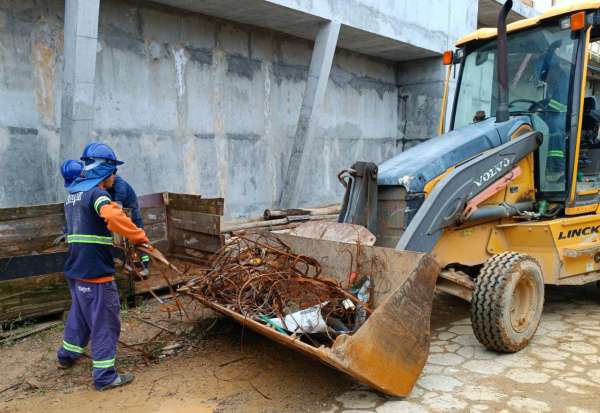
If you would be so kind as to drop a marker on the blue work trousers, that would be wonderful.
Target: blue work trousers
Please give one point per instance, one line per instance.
(93, 316)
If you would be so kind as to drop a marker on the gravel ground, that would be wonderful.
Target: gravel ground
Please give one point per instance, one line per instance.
(558, 372)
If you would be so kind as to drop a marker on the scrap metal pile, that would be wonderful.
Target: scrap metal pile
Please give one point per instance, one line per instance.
(264, 281)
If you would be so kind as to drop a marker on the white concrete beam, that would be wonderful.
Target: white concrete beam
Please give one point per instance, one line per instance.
(489, 9)
(80, 42)
(316, 84)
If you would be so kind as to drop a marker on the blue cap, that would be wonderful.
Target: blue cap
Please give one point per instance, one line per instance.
(71, 170)
(92, 175)
(98, 151)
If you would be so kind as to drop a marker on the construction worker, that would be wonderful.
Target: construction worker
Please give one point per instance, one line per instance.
(551, 72)
(94, 314)
(71, 170)
(124, 194)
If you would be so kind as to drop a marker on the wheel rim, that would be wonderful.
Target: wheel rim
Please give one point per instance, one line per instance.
(523, 305)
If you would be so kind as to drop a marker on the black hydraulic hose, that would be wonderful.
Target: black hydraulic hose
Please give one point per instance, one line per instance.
(500, 211)
(502, 114)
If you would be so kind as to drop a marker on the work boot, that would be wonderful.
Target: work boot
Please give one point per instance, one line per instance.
(121, 380)
(65, 364)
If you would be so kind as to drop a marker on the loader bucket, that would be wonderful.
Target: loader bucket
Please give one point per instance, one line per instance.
(390, 349)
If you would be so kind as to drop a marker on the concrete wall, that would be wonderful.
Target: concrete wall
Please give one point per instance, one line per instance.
(421, 82)
(432, 25)
(191, 103)
(30, 84)
(421, 89)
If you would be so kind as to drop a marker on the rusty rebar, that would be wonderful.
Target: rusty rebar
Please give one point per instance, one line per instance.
(261, 277)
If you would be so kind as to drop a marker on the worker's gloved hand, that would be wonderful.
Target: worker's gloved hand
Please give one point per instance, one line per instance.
(145, 262)
(146, 245)
(145, 258)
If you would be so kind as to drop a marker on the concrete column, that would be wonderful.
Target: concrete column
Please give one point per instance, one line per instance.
(80, 40)
(318, 76)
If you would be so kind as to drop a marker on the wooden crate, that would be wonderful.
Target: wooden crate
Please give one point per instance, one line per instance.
(31, 279)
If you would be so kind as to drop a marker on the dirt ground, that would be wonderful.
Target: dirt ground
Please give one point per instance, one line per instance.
(223, 368)
(226, 369)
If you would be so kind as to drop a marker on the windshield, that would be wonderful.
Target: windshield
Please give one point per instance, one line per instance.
(540, 67)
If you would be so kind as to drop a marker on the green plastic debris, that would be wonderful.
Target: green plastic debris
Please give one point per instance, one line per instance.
(268, 322)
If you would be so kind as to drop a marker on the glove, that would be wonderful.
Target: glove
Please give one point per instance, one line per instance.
(146, 245)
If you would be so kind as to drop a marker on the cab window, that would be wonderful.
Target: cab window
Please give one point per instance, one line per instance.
(588, 174)
(541, 64)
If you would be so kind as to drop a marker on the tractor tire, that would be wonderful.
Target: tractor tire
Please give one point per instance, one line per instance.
(507, 303)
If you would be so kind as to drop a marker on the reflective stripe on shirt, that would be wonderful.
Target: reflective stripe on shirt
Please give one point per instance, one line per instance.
(99, 202)
(556, 105)
(556, 153)
(89, 239)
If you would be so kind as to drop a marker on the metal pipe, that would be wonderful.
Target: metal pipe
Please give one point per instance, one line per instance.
(500, 211)
(502, 113)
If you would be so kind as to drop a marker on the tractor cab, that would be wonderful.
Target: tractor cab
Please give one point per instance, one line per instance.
(554, 80)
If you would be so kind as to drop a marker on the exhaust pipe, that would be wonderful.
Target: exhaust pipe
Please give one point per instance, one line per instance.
(502, 114)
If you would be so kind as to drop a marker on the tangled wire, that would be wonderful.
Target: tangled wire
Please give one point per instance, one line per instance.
(262, 279)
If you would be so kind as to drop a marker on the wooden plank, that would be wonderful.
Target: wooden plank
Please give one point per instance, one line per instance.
(196, 221)
(22, 229)
(272, 213)
(30, 246)
(52, 305)
(157, 282)
(30, 211)
(29, 331)
(196, 240)
(41, 295)
(29, 235)
(198, 257)
(156, 232)
(151, 200)
(195, 203)
(33, 296)
(252, 225)
(153, 215)
(170, 229)
(31, 265)
(161, 245)
(150, 215)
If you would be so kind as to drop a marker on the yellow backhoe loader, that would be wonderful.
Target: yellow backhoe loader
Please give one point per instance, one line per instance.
(505, 201)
